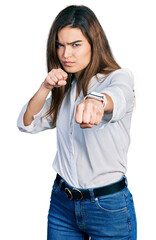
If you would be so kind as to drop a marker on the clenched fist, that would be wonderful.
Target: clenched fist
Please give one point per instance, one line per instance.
(55, 78)
(89, 112)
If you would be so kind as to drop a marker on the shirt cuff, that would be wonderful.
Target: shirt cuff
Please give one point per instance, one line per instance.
(29, 128)
(119, 105)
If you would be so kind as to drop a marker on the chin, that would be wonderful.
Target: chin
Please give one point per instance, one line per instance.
(70, 70)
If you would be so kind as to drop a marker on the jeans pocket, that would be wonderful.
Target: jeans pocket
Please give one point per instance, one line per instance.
(55, 187)
(114, 203)
(113, 211)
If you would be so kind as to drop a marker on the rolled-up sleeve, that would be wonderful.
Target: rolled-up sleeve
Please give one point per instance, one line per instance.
(40, 123)
(121, 91)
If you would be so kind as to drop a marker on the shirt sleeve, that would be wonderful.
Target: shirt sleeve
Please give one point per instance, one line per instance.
(120, 89)
(39, 123)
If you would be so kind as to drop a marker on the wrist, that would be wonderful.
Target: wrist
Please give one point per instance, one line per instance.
(43, 92)
(99, 97)
(44, 88)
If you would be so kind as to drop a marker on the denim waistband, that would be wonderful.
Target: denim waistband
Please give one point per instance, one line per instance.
(90, 193)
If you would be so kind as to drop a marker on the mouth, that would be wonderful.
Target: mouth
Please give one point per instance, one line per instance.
(68, 63)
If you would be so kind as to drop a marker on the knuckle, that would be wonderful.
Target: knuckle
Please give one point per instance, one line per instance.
(89, 104)
(79, 106)
(95, 108)
(48, 79)
(86, 121)
(59, 76)
(53, 71)
(62, 72)
(50, 76)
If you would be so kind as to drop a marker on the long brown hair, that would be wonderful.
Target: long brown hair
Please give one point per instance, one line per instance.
(102, 60)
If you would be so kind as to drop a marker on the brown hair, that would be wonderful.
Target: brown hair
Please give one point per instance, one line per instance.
(102, 60)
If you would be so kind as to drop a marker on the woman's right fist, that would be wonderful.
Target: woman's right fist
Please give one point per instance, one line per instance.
(55, 78)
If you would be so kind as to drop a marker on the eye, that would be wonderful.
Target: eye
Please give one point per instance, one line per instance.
(58, 45)
(76, 45)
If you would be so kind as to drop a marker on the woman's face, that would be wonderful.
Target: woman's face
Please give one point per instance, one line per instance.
(73, 50)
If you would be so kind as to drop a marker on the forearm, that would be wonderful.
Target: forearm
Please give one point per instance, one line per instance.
(55, 78)
(36, 103)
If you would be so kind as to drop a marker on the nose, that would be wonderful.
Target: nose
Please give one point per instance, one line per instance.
(67, 52)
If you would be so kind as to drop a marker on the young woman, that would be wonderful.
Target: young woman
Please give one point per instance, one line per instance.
(91, 106)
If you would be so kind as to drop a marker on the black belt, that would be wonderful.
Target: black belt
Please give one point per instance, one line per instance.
(77, 194)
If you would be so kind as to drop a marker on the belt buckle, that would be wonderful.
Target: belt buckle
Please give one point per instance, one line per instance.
(81, 195)
(68, 193)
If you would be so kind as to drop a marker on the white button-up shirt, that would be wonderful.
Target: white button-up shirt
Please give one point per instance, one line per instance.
(97, 156)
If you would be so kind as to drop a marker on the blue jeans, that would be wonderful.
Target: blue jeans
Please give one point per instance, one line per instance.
(107, 217)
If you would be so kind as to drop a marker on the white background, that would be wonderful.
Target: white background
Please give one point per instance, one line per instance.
(26, 173)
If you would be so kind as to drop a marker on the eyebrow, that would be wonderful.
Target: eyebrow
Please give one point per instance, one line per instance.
(70, 43)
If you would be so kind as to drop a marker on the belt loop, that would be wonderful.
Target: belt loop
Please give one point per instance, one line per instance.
(60, 184)
(126, 182)
(92, 197)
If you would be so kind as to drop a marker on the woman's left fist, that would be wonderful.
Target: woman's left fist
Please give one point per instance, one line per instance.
(89, 113)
